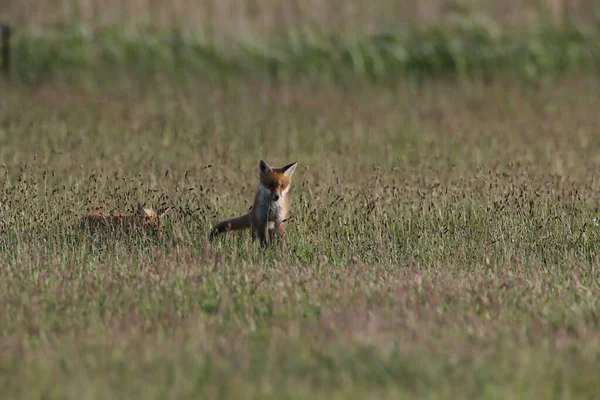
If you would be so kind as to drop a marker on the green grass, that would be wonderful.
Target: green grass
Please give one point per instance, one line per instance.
(443, 243)
(227, 21)
(458, 46)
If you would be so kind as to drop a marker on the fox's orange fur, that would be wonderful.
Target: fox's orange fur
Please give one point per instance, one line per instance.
(271, 205)
(144, 220)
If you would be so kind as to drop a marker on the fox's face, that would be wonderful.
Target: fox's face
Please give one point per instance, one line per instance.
(147, 217)
(275, 181)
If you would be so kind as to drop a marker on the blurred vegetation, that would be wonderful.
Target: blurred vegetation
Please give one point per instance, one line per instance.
(459, 49)
(226, 21)
(460, 45)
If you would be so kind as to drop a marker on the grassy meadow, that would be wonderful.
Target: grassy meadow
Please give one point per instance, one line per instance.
(443, 242)
(444, 232)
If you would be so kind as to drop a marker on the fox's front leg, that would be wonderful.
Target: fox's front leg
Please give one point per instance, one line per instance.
(261, 232)
(276, 233)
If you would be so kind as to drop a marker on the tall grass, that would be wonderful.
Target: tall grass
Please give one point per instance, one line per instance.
(336, 39)
(461, 46)
(229, 20)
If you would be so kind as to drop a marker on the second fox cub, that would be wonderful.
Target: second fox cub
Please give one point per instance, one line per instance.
(144, 220)
(271, 205)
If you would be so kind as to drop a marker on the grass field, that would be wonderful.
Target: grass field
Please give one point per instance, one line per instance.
(225, 20)
(443, 241)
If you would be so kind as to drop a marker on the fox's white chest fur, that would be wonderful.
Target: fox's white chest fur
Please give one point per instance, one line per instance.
(275, 209)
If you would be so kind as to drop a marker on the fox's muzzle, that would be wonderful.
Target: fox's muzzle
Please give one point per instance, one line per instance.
(275, 197)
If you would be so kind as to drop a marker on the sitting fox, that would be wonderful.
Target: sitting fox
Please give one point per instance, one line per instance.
(143, 220)
(271, 205)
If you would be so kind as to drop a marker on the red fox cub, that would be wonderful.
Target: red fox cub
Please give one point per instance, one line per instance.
(271, 205)
(144, 220)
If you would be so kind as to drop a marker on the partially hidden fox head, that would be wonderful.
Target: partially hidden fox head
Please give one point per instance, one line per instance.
(149, 217)
(276, 180)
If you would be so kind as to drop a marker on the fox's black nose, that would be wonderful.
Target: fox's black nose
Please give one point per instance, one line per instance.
(275, 197)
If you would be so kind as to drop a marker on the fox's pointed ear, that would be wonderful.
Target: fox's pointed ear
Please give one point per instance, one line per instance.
(163, 211)
(289, 169)
(140, 209)
(264, 168)
(143, 212)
